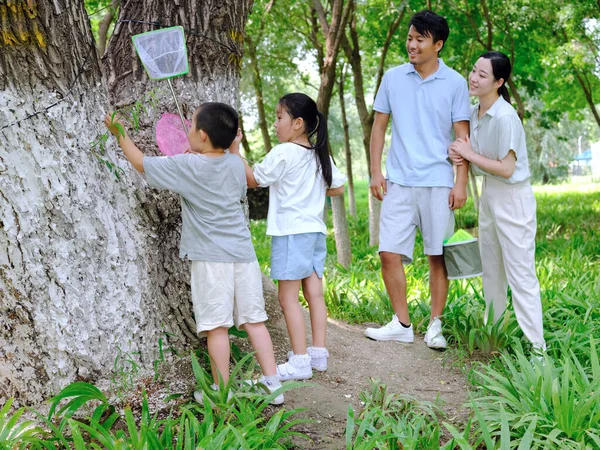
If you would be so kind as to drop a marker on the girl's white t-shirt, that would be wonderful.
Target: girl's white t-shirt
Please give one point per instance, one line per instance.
(296, 189)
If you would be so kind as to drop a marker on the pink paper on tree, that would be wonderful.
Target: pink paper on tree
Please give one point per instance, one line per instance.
(170, 135)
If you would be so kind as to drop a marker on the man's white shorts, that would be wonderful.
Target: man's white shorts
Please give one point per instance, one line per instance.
(226, 294)
(406, 208)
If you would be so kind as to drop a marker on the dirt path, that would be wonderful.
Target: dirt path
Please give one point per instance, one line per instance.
(411, 369)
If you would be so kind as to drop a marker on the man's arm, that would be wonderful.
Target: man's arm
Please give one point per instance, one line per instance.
(378, 184)
(131, 151)
(458, 194)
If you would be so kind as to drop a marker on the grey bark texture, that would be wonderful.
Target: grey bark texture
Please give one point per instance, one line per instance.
(88, 261)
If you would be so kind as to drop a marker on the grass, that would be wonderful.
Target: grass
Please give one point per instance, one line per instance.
(514, 402)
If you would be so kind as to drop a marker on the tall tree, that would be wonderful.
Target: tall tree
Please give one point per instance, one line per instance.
(251, 40)
(352, 50)
(347, 148)
(332, 29)
(88, 255)
(70, 254)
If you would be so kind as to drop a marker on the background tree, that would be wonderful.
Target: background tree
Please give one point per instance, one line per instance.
(347, 148)
(380, 25)
(333, 29)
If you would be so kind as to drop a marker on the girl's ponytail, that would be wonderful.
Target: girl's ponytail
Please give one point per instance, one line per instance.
(301, 105)
(321, 147)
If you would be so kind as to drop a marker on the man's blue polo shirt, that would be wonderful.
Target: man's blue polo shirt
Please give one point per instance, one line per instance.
(423, 112)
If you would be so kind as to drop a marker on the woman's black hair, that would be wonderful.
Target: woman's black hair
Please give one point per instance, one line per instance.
(501, 68)
(301, 105)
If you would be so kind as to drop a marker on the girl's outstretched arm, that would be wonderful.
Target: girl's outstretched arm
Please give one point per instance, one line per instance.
(235, 149)
(131, 151)
(335, 191)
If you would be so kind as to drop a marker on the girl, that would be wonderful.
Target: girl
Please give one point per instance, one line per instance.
(299, 173)
(507, 221)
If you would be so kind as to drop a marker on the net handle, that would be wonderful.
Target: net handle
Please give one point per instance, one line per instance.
(185, 129)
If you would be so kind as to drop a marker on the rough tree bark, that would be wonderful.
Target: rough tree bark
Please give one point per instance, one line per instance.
(71, 261)
(88, 261)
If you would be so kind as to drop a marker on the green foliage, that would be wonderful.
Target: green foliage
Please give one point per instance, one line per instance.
(393, 421)
(13, 432)
(242, 422)
(132, 114)
(559, 399)
(125, 371)
(516, 403)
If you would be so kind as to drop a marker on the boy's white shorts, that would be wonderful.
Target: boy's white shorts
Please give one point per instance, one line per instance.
(226, 294)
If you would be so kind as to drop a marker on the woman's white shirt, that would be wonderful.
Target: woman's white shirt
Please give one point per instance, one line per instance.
(296, 189)
(497, 132)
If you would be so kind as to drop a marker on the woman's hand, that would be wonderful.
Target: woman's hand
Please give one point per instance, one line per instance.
(460, 149)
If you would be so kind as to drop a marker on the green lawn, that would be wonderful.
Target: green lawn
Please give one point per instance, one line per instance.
(515, 403)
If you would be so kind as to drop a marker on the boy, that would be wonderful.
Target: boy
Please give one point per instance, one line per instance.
(427, 101)
(225, 277)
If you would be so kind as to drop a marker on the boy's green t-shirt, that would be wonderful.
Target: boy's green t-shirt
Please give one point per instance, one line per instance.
(211, 189)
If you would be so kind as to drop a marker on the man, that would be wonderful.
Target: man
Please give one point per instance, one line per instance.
(427, 100)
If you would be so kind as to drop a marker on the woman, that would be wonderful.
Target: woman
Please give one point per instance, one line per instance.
(507, 222)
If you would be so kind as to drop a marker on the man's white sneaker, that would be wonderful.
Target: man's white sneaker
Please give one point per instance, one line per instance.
(434, 337)
(393, 331)
(297, 368)
(318, 358)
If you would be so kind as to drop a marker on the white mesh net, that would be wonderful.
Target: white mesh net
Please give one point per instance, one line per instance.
(162, 52)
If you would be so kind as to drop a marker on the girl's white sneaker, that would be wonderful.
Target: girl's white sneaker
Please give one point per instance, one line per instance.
(297, 368)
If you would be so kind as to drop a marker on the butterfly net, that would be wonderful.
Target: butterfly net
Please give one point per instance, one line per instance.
(163, 52)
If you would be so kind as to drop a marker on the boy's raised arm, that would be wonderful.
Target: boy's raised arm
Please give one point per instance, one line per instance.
(235, 149)
(131, 151)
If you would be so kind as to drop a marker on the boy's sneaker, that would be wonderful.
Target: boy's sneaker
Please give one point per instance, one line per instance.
(271, 386)
(199, 397)
(393, 331)
(318, 358)
(434, 337)
(297, 368)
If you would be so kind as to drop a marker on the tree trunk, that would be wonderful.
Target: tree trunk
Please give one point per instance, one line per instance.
(88, 256)
(474, 190)
(347, 149)
(258, 91)
(374, 213)
(333, 32)
(367, 117)
(72, 263)
(340, 229)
